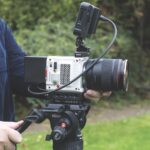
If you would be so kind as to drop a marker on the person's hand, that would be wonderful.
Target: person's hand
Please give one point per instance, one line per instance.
(95, 96)
(8, 135)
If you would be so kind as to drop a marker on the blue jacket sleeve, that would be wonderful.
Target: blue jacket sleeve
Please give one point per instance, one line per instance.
(15, 63)
(15, 54)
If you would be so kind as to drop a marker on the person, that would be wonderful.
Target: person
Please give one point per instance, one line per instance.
(12, 81)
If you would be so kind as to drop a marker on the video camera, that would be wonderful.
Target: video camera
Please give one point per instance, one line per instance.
(62, 80)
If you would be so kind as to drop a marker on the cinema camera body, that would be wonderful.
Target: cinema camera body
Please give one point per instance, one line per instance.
(62, 80)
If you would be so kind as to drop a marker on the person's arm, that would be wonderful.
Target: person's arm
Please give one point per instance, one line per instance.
(9, 136)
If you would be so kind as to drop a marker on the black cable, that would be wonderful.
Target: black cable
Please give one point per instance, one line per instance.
(81, 74)
(39, 88)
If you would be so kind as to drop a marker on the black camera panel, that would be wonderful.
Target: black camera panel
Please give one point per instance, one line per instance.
(35, 69)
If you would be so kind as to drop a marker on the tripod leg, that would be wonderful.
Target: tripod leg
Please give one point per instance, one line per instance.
(69, 145)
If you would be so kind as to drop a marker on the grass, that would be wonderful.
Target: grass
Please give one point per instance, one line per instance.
(128, 134)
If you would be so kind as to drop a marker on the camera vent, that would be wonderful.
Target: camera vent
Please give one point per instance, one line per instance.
(64, 73)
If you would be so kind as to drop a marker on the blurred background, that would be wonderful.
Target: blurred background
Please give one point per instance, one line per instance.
(45, 28)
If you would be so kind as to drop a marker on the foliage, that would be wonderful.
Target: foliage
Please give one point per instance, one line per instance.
(25, 14)
(132, 133)
(48, 38)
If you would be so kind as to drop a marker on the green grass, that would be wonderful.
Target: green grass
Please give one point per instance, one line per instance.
(128, 134)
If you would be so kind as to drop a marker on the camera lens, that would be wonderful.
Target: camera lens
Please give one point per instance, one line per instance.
(107, 75)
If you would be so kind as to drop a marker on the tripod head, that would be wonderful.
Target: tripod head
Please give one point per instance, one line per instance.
(66, 124)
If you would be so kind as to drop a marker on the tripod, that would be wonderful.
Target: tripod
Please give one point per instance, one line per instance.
(66, 123)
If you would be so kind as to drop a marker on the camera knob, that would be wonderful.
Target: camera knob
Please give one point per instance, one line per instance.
(59, 133)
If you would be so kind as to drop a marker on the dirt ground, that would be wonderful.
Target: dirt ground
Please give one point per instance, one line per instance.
(103, 114)
(97, 114)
